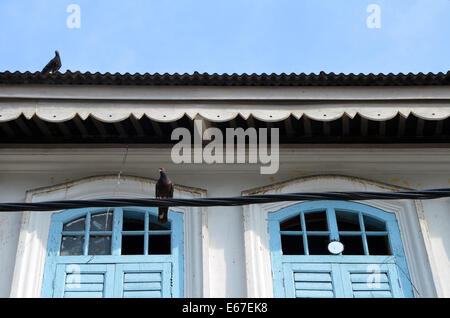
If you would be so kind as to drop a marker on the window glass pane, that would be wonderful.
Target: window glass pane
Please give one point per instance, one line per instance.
(347, 221)
(76, 225)
(378, 245)
(353, 245)
(159, 227)
(318, 244)
(292, 245)
(133, 221)
(101, 221)
(316, 221)
(154, 224)
(292, 224)
(132, 245)
(72, 245)
(99, 245)
(159, 244)
(373, 224)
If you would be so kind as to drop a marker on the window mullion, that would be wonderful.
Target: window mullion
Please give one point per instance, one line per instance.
(332, 224)
(86, 233)
(305, 236)
(288, 233)
(133, 233)
(73, 233)
(116, 246)
(363, 231)
(146, 227)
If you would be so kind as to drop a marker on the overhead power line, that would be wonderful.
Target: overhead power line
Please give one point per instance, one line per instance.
(226, 201)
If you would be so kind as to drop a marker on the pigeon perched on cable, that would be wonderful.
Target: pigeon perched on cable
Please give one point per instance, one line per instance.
(163, 189)
(54, 65)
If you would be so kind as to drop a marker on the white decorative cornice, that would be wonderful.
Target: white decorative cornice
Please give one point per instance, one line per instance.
(168, 104)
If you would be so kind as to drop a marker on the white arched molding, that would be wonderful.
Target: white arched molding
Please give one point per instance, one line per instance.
(409, 215)
(34, 230)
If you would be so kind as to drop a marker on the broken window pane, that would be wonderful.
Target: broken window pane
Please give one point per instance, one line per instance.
(132, 245)
(72, 245)
(316, 221)
(292, 224)
(353, 244)
(318, 244)
(159, 227)
(378, 245)
(292, 245)
(159, 244)
(373, 224)
(133, 221)
(347, 221)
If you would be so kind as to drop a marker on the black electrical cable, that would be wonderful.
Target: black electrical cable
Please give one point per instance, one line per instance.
(230, 201)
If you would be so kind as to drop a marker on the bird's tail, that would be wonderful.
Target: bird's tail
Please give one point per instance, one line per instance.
(45, 70)
(162, 215)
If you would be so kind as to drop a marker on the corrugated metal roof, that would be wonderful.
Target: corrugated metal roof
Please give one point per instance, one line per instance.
(205, 79)
(41, 119)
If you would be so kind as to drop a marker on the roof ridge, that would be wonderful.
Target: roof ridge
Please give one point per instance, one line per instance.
(244, 79)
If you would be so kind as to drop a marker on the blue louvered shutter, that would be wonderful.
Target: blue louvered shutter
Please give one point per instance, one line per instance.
(143, 280)
(84, 280)
(371, 281)
(341, 280)
(311, 280)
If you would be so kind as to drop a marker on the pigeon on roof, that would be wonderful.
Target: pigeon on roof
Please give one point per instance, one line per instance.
(54, 65)
(163, 189)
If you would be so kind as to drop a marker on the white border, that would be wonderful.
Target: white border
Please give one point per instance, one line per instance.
(409, 214)
(34, 230)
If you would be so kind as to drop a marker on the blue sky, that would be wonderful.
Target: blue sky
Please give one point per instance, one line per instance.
(227, 36)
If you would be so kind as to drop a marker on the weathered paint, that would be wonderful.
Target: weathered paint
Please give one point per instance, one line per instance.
(319, 103)
(170, 266)
(284, 265)
(27, 170)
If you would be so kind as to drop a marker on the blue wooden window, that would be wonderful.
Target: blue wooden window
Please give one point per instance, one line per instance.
(372, 263)
(114, 252)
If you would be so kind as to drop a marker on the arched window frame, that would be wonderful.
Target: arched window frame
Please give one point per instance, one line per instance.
(397, 256)
(34, 231)
(175, 258)
(409, 215)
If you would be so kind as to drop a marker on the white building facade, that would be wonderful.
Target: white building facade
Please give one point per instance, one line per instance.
(87, 136)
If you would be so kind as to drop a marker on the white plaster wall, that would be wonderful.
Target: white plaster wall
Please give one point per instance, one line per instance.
(438, 219)
(11, 191)
(21, 171)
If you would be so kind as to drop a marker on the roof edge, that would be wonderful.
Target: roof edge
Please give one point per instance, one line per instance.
(206, 79)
